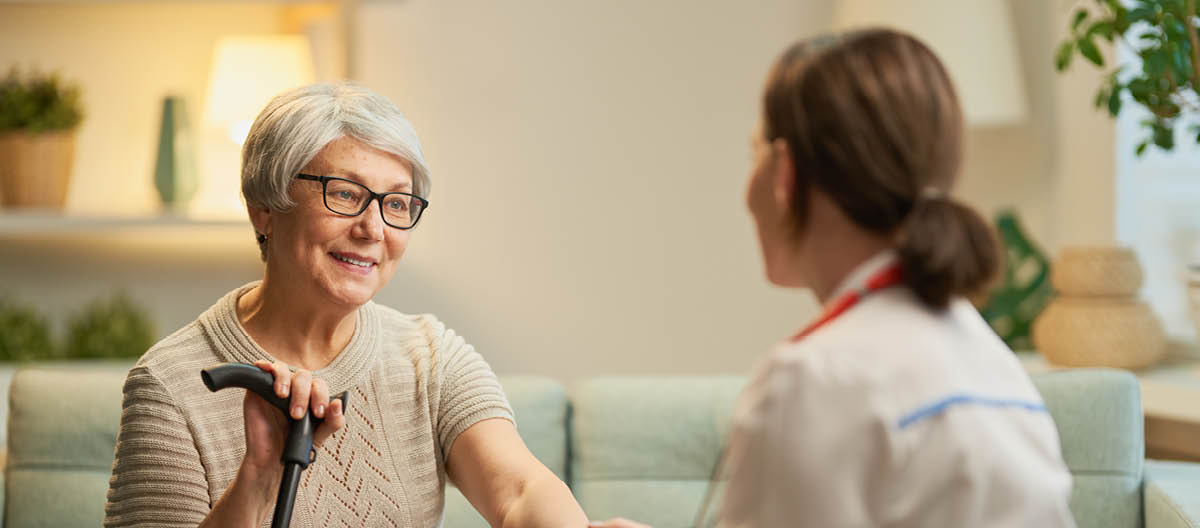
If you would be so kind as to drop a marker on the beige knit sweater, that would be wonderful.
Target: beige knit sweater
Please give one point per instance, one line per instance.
(414, 385)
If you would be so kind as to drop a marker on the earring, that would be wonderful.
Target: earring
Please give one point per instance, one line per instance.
(261, 238)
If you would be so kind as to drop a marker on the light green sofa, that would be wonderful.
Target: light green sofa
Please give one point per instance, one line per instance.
(636, 447)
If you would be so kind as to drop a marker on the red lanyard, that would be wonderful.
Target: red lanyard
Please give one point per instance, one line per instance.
(884, 278)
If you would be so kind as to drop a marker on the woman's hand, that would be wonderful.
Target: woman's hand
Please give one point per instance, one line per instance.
(250, 498)
(266, 428)
(617, 522)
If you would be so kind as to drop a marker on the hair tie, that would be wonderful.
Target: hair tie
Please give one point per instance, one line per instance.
(931, 193)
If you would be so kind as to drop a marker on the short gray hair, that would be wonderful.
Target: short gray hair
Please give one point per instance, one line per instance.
(298, 123)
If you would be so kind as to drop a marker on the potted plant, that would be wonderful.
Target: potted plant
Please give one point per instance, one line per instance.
(24, 333)
(38, 118)
(111, 328)
(1162, 33)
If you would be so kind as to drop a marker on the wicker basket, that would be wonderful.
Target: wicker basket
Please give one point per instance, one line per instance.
(1096, 272)
(1092, 332)
(36, 168)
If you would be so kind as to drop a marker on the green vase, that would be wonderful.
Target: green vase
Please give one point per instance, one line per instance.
(175, 167)
(1026, 288)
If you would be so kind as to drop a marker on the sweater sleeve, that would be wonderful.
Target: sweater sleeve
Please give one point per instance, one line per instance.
(157, 477)
(468, 389)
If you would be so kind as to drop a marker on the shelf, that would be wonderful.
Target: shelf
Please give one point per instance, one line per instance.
(124, 236)
(54, 225)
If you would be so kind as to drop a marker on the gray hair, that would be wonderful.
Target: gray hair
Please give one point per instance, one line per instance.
(298, 123)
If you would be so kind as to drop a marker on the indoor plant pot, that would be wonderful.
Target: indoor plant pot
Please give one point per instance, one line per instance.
(38, 118)
(35, 168)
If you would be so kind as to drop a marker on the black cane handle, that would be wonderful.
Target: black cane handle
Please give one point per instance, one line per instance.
(299, 445)
(298, 449)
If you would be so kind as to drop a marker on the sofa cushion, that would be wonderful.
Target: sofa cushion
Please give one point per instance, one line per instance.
(1099, 417)
(62, 426)
(645, 448)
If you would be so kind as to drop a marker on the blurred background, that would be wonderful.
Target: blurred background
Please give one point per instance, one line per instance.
(588, 158)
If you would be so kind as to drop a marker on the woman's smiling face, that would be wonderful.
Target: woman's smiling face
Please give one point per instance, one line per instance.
(344, 260)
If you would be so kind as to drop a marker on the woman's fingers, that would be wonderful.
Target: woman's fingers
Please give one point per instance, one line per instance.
(617, 522)
(334, 420)
(301, 388)
(283, 376)
(319, 398)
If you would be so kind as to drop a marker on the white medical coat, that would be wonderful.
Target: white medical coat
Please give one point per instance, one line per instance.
(894, 415)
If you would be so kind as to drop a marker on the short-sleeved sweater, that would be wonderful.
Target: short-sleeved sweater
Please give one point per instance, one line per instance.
(413, 386)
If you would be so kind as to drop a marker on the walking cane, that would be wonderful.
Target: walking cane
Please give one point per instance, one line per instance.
(298, 450)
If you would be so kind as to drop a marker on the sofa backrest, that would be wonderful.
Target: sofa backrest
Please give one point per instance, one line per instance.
(642, 448)
(62, 427)
(1099, 417)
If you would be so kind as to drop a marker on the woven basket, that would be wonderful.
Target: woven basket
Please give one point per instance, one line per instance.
(1091, 332)
(1096, 272)
(36, 168)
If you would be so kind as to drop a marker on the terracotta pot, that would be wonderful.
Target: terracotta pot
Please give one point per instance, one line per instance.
(1096, 272)
(1099, 332)
(36, 168)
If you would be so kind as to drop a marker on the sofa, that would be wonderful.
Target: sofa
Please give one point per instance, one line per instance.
(641, 448)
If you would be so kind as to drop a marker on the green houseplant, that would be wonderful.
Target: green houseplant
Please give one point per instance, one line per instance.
(1162, 33)
(24, 333)
(116, 327)
(38, 117)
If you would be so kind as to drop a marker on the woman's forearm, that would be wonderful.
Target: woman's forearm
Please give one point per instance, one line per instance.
(247, 502)
(544, 501)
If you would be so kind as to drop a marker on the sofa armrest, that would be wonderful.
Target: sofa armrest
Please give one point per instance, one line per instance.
(1172, 494)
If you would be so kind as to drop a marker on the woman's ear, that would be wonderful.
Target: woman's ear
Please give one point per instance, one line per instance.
(260, 218)
(783, 177)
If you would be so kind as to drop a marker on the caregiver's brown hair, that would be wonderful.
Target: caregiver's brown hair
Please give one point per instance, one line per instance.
(873, 121)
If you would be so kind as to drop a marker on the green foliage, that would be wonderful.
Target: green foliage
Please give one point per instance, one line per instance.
(39, 103)
(110, 328)
(1163, 33)
(24, 334)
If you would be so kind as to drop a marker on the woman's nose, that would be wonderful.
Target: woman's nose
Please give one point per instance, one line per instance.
(370, 224)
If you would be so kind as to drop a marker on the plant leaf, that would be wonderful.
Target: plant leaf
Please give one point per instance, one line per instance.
(1104, 28)
(1089, 50)
(1114, 102)
(1066, 52)
(1164, 136)
(1080, 16)
(1143, 13)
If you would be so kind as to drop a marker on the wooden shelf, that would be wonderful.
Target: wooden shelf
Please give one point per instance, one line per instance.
(53, 225)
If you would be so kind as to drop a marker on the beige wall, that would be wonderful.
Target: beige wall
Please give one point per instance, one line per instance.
(588, 164)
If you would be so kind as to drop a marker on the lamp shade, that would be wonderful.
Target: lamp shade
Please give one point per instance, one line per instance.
(247, 71)
(974, 39)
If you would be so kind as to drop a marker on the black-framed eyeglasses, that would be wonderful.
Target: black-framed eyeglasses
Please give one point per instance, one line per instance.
(400, 210)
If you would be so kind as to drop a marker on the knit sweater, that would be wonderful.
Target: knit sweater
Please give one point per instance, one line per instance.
(413, 386)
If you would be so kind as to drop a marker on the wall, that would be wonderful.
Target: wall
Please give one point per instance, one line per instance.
(588, 158)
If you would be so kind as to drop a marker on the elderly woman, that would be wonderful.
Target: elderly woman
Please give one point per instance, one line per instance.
(334, 181)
